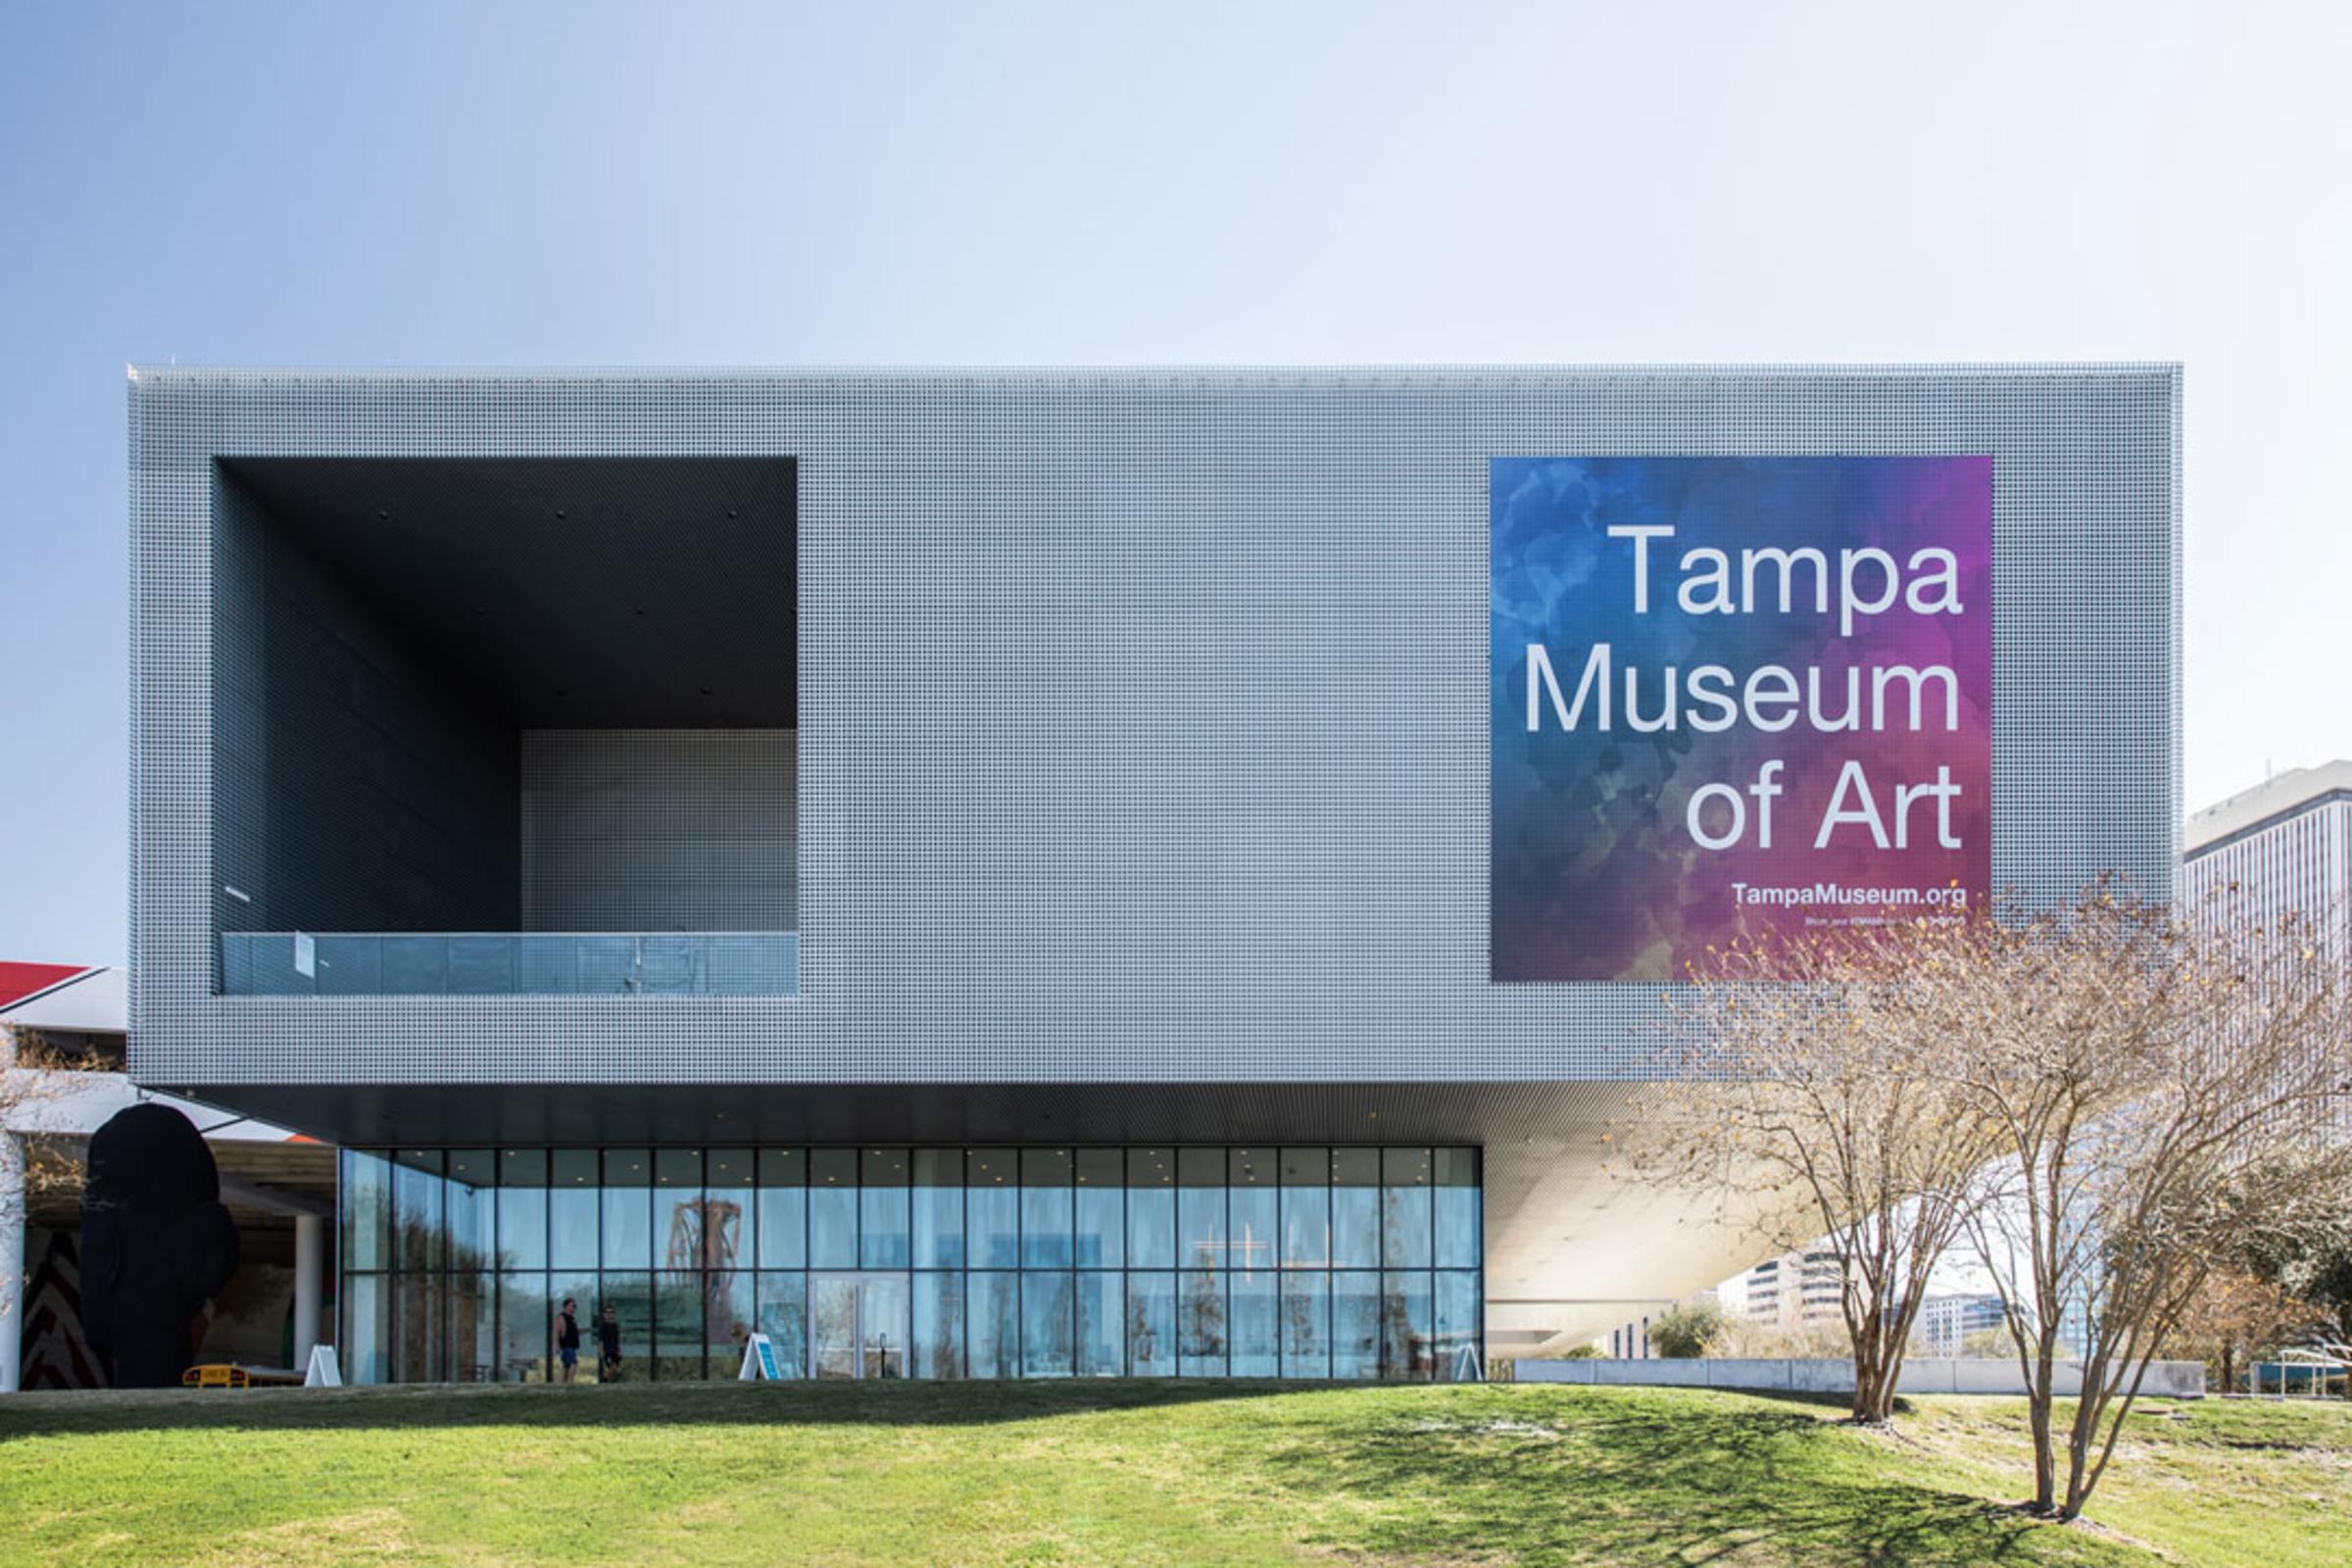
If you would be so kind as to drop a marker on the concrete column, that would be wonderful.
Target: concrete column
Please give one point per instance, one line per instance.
(309, 1267)
(12, 1261)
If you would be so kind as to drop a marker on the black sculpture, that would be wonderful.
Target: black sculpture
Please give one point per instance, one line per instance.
(156, 1244)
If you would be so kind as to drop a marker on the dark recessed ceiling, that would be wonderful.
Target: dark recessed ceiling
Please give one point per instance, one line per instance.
(593, 592)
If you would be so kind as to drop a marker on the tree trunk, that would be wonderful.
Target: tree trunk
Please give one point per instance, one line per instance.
(1866, 1383)
(2078, 1464)
(1881, 1409)
(2046, 1462)
(1879, 1339)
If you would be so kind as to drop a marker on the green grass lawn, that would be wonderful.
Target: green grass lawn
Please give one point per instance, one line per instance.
(651, 1475)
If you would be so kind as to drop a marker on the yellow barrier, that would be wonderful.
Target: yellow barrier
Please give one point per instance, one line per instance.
(216, 1375)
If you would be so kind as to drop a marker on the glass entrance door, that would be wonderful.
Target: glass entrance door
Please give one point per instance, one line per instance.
(857, 1325)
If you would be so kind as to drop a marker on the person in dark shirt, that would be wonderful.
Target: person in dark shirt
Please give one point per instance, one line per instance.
(607, 1340)
(567, 1338)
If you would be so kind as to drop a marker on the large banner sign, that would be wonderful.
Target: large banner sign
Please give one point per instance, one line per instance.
(1733, 696)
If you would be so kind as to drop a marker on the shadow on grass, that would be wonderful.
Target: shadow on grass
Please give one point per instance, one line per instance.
(1836, 1404)
(725, 1403)
(1594, 1478)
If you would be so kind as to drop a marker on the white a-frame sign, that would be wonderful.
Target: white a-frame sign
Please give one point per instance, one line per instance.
(758, 1360)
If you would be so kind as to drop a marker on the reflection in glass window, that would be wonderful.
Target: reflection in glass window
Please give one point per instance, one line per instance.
(366, 1211)
(523, 1318)
(938, 1317)
(1255, 1332)
(1355, 1325)
(1460, 1233)
(1409, 1340)
(832, 1209)
(1201, 1208)
(628, 1208)
(472, 1326)
(1045, 1208)
(1458, 1325)
(783, 1316)
(938, 1217)
(367, 1328)
(1100, 1325)
(677, 1349)
(1152, 1325)
(1305, 1325)
(1305, 1207)
(882, 1326)
(1101, 1205)
(1150, 1208)
(522, 1208)
(729, 1312)
(783, 1217)
(991, 1208)
(571, 1206)
(416, 1208)
(992, 1324)
(1048, 1325)
(1243, 1237)
(416, 1344)
(1251, 1210)
(882, 1208)
(1406, 1208)
(1200, 1323)
(472, 1203)
(833, 1349)
(730, 1189)
(630, 1296)
(1355, 1207)
(678, 1207)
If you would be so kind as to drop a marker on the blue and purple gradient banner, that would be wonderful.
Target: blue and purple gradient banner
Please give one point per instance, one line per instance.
(1733, 696)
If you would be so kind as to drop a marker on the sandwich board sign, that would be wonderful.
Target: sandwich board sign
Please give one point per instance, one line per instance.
(323, 1371)
(758, 1360)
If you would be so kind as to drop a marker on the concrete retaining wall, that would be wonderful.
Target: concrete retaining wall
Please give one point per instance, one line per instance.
(2178, 1379)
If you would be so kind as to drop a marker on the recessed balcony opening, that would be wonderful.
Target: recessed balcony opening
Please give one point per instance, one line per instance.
(506, 726)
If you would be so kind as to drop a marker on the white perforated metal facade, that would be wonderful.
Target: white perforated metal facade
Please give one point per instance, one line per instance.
(1143, 714)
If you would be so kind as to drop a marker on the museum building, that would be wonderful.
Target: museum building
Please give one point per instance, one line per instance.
(986, 874)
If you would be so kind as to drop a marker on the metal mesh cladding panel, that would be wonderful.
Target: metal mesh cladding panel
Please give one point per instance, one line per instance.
(1143, 716)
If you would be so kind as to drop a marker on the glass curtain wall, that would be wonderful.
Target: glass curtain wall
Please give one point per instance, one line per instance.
(1177, 1261)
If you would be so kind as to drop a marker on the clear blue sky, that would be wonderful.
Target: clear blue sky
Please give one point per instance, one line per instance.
(693, 184)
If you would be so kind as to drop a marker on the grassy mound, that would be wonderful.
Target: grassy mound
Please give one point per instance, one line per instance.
(652, 1476)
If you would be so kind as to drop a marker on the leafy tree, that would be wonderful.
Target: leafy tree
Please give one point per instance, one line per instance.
(1687, 1329)
(1985, 1344)
(2237, 1316)
(2315, 1268)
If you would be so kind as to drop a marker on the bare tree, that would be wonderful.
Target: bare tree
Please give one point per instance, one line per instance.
(2160, 1092)
(1824, 1081)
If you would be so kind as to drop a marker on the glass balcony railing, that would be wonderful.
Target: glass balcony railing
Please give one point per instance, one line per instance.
(508, 964)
